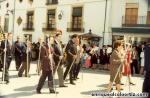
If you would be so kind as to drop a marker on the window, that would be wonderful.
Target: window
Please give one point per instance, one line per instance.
(6, 25)
(51, 19)
(77, 19)
(52, 1)
(7, 5)
(30, 20)
(20, 1)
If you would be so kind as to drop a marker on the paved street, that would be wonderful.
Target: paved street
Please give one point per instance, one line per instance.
(90, 81)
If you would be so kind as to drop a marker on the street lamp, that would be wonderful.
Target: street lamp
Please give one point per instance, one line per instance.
(60, 15)
(105, 20)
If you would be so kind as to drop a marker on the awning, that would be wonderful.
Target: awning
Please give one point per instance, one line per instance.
(132, 30)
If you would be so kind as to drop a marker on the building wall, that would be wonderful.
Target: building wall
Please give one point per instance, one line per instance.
(93, 16)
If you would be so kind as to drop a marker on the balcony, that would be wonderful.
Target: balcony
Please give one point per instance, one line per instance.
(70, 28)
(48, 28)
(135, 21)
(51, 2)
(28, 27)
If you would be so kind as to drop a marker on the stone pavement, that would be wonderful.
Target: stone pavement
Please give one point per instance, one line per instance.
(90, 81)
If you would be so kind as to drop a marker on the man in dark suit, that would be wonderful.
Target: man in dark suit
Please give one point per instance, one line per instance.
(26, 52)
(1, 52)
(9, 52)
(47, 65)
(38, 50)
(146, 83)
(71, 51)
(18, 52)
(58, 55)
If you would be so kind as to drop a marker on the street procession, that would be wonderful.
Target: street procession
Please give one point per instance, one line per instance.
(60, 44)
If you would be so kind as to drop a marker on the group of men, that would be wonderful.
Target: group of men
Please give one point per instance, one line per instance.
(51, 59)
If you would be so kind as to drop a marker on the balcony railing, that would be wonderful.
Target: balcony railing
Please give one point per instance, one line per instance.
(50, 2)
(49, 28)
(135, 21)
(28, 27)
(70, 28)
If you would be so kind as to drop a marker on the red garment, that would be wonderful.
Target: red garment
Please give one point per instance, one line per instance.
(127, 69)
(87, 62)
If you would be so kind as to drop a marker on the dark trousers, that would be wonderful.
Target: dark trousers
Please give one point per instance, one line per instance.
(1, 62)
(18, 61)
(146, 83)
(70, 73)
(23, 68)
(76, 70)
(7, 65)
(134, 66)
(42, 79)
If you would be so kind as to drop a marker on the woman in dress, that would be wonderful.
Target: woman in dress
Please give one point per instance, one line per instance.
(127, 68)
(142, 60)
(116, 61)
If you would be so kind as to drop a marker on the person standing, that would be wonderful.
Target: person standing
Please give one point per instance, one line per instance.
(142, 60)
(25, 64)
(47, 65)
(127, 68)
(146, 83)
(9, 52)
(71, 51)
(18, 52)
(134, 64)
(78, 60)
(58, 56)
(116, 61)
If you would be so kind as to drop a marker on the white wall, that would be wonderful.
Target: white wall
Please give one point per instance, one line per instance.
(93, 16)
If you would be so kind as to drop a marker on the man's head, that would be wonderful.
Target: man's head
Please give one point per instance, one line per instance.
(74, 38)
(58, 37)
(18, 38)
(9, 36)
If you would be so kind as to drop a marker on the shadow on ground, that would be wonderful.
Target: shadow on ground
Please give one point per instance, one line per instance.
(16, 95)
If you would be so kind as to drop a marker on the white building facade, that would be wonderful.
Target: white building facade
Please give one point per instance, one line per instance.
(41, 17)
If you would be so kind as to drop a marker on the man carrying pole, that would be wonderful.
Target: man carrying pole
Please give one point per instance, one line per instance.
(6, 45)
(47, 65)
(25, 59)
(58, 56)
(71, 51)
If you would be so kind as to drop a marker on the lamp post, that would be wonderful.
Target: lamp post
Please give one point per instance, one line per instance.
(13, 21)
(105, 21)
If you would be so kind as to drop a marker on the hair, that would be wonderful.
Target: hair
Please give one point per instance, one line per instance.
(74, 36)
(9, 34)
(117, 44)
(58, 34)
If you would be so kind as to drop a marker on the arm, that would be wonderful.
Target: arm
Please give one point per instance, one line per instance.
(116, 58)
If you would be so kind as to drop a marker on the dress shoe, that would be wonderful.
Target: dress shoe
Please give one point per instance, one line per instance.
(19, 75)
(63, 86)
(7, 81)
(52, 91)
(38, 91)
(132, 83)
(72, 83)
(120, 89)
(121, 84)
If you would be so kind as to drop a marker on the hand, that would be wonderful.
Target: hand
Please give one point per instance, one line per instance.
(5, 50)
(74, 56)
(60, 57)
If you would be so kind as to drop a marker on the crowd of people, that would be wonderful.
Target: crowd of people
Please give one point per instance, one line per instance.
(51, 56)
(97, 57)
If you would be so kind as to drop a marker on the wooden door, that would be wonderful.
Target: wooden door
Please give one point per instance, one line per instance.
(131, 16)
(148, 17)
